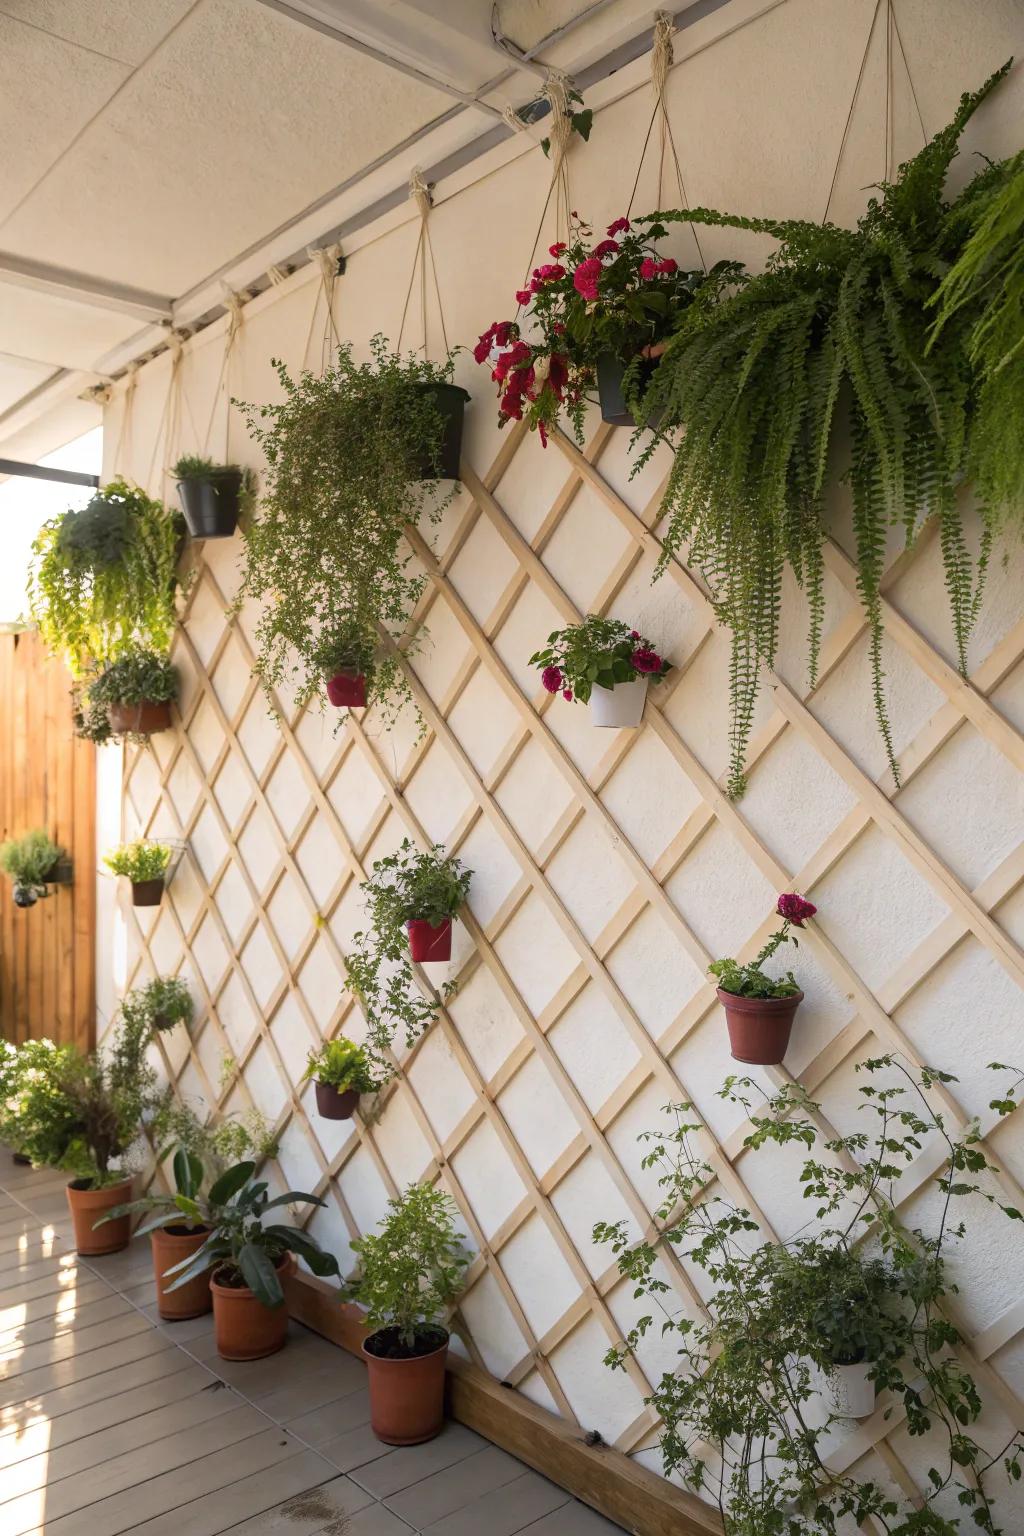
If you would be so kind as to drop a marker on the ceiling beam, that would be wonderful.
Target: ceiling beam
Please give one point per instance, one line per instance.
(40, 472)
(21, 272)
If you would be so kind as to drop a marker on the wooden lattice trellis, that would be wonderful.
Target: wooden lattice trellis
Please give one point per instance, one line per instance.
(248, 791)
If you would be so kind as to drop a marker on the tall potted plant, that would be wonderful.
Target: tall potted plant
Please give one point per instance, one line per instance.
(176, 1235)
(144, 863)
(410, 1271)
(31, 863)
(341, 1073)
(759, 1008)
(210, 495)
(602, 662)
(136, 691)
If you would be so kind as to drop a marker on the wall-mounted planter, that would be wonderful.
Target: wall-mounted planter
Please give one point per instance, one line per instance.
(610, 374)
(347, 690)
(335, 1103)
(851, 1390)
(243, 1327)
(172, 1245)
(759, 1027)
(147, 893)
(429, 941)
(88, 1205)
(406, 1394)
(621, 707)
(450, 401)
(142, 719)
(62, 873)
(211, 506)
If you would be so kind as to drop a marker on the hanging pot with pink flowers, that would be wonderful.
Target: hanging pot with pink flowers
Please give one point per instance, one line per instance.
(603, 663)
(759, 1009)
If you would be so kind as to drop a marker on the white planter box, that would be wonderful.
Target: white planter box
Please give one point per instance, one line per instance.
(620, 706)
(851, 1391)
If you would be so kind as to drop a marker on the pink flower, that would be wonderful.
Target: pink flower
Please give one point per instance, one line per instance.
(668, 266)
(558, 373)
(605, 248)
(794, 909)
(619, 227)
(542, 433)
(646, 660)
(648, 269)
(549, 273)
(551, 677)
(497, 334)
(586, 277)
(558, 248)
(567, 695)
(634, 634)
(523, 295)
(510, 361)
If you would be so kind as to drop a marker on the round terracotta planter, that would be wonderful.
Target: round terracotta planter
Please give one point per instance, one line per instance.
(170, 1245)
(347, 690)
(143, 719)
(244, 1328)
(406, 1396)
(334, 1103)
(147, 893)
(430, 941)
(87, 1206)
(759, 1027)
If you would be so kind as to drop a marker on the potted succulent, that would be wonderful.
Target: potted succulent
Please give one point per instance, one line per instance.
(602, 662)
(411, 898)
(210, 496)
(759, 1008)
(145, 864)
(348, 664)
(341, 1072)
(247, 1260)
(176, 1234)
(410, 1271)
(137, 691)
(33, 862)
(163, 1003)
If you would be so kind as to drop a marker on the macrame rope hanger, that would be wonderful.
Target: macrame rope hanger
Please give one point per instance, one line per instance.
(556, 94)
(327, 258)
(235, 306)
(662, 60)
(167, 430)
(421, 195)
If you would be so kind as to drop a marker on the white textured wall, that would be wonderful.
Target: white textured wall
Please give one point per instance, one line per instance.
(608, 868)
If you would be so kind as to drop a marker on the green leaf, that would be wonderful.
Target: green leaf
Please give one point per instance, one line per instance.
(230, 1182)
(260, 1275)
(188, 1172)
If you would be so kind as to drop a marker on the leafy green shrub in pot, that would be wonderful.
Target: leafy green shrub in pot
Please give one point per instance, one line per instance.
(759, 1008)
(175, 1236)
(348, 661)
(242, 1136)
(410, 1271)
(162, 1003)
(326, 554)
(741, 1419)
(104, 579)
(605, 662)
(30, 862)
(341, 1072)
(144, 863)
(137, 691)
(210, 496)
(411, 900)
(36, 1117)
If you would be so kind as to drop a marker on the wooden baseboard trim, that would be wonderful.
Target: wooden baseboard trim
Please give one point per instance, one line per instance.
(638, 1500)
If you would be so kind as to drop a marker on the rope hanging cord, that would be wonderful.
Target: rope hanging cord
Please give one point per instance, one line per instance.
(662, 60)
(556, 94)
(420, 194)
(326, 257)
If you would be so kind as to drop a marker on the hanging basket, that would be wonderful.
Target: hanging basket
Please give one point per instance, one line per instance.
(449, 400)
(347, 690)
(211, 506)
(335, 1103)
(142, 719)
(147, 893)
(621, 706)
(429, 941)
(759, 1027)
(610, 373)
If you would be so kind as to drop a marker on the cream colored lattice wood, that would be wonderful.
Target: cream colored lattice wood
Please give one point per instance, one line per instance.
(521, 1096)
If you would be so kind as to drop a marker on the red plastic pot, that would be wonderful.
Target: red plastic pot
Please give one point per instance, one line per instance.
(143, 719)
(430, 941)
(335, 1104)
(759, 1027)
(406, 1395)
(347, 690)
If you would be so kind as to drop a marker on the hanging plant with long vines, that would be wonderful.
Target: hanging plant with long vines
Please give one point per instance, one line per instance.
(749, 387)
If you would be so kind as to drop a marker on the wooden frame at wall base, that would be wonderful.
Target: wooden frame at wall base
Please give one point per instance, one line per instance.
(638, 1500)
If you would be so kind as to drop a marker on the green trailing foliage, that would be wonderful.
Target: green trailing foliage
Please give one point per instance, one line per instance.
(138, 677)
(160, 1004)
(410, 1271)
(749, 389)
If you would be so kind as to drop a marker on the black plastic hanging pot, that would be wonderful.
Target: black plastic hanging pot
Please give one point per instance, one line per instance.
(211, 506)
(610, 374)
(449, 400)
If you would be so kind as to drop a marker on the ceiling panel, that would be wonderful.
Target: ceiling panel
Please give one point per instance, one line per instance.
(17, 377)
(126, 30)
(56, 331)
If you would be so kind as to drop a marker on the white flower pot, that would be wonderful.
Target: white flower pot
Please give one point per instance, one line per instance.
(851, 1390)
(622, 705)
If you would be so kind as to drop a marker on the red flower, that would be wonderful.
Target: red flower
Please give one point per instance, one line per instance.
(646, 660)
(668, 266)
(634, 634)
(549, 273)
(542, 433)
(510, 361)
(619, 227)
(523, 295)
(567, 695)
(558, 373)
(794, 909)
(586, 277)
(497, 334)
(558, 248)
(605, 248)
(648, 269)
(551, 677)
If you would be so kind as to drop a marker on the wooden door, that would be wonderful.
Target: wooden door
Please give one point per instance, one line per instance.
(47, 779)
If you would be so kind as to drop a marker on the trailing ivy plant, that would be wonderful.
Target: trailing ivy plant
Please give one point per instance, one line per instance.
(749, 387)
(737, 1422)
(103, 580)
(326, 555)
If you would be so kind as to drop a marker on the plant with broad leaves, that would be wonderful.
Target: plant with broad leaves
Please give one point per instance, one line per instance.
(410, 1271)
(596, 653)
(140, 860)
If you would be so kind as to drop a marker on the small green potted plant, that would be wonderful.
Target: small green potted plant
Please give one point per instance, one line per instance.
(341, 1072)
(163, 1003)
(605, 663)
(759, 1008)
(348, 662)
(246, 1257)
(33, 862)
(175, 1236)
(410, 1271)
(145, 863)
(210, 496)
(137, 691)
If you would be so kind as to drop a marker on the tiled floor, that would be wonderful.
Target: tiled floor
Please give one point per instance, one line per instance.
(111, 1421)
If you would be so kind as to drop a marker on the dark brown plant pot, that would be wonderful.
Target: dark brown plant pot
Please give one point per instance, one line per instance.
(143, 719)
(406, 1395)
(449, 400)
(347, 690)
(21, 1160)
(87, 1206)
(430, 941)
(759, 1027)
(61, 873)
(147, 893)
(211, 506)
(335, 1104)
(170, 1246)
(243, 1327)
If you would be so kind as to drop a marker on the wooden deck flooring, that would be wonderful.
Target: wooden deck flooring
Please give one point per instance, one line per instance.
(112, 1422)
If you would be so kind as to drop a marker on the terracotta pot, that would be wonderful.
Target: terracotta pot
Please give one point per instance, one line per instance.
(335, 1104)
(347, 690)
(406, 1396)
(430, 941)
(87, 1206)
(211, 506)
(759, 1027)
(143, 719)
(170, 1245)
(449, 400)
(147, 893)
(244, 1328)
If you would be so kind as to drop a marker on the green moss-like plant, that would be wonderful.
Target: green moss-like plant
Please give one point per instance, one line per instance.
(140, 860)
(30, 860)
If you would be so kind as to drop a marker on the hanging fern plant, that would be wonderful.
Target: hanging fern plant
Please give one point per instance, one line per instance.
(104, 579)
(749, 387)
